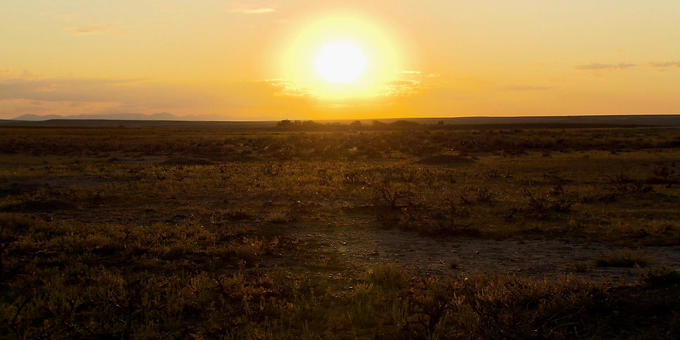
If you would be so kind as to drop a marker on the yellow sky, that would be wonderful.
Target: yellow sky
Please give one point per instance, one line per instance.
(248, 60)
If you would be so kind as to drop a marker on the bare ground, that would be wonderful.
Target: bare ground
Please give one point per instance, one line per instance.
(362, 244)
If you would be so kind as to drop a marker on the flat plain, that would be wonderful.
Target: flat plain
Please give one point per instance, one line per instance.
(304, 230)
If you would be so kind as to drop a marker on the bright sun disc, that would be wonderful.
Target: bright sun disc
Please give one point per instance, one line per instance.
(340, 62)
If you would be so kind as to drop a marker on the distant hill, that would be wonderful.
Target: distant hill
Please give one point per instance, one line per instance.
(109, 116)
(134, 123)
(169, 120)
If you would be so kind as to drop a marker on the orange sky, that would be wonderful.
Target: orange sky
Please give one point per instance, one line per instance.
(250, 60)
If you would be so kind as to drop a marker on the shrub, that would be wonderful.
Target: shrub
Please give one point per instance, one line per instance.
(388, 195)
(661, 276)
(543, 206)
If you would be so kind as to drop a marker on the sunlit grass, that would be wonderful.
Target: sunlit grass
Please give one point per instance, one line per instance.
(169, 233)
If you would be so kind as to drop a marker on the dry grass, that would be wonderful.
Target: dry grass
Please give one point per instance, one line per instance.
(623, 258)
(159, 233)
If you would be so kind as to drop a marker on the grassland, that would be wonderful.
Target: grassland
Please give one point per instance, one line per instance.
(304, 231)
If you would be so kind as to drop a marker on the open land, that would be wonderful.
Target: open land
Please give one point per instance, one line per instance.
(302, 230)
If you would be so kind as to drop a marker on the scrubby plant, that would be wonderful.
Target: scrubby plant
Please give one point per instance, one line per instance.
(388, 194)
(543, 206)
(661, 276)
(627, 185)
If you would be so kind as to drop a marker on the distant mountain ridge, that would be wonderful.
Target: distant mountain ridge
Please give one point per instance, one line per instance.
(107, 116)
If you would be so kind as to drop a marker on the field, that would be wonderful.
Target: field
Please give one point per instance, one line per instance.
(300, 230)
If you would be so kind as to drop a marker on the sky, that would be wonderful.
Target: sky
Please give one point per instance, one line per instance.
(259, 60)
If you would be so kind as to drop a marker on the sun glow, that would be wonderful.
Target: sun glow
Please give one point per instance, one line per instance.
(340, 62)
(339, 57)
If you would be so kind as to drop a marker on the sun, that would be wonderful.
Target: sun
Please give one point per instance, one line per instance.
(340, 62)
(336, 57)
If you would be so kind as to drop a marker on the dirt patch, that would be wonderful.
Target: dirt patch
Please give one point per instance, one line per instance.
(18, 188)
(186, 161)
(135, 160)
(33, 206)
(28, 185)
(445, 160)
(364, 245)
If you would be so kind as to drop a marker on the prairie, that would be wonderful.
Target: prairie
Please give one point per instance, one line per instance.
(396, 230)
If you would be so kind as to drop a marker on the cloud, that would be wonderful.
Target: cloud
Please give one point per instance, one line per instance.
(63, 89)
(665, 64)
(76, 96)
(623, 66)
(410, 82)
(286, 88)
(525, 88)
(405, 83)
(84, 30)
(597, 66)
(257, 10)
(20, 95)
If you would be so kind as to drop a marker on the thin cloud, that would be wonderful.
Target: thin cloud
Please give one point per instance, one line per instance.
(282, 87)
(402, 83)
(83, 30)
(76, 96)
(259, 10)
(666, 64)
(598, 66)
(525, 88)
(65, 89)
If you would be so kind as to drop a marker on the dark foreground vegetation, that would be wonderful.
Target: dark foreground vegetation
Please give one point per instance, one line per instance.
(208, 233)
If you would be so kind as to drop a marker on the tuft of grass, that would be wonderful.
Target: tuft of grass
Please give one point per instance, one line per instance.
(388, 276)
(543, 206)
(582, 267)
(623, 258)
